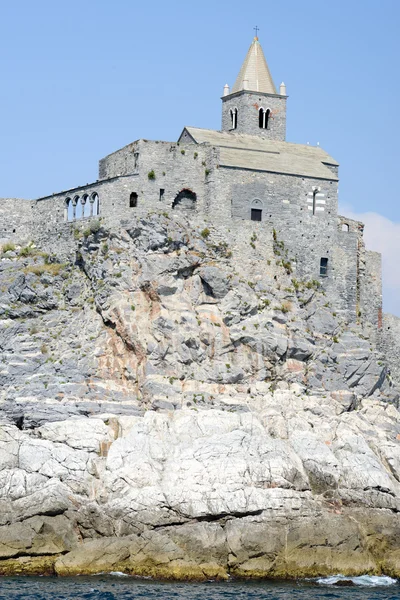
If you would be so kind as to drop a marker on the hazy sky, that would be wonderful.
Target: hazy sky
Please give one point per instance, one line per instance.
(80, 79)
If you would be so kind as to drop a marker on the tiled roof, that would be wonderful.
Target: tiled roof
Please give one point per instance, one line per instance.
(254, 152)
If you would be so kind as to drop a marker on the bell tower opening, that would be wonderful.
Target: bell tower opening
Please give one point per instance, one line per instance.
(263, 118)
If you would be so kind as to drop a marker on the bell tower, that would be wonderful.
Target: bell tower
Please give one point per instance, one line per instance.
(253, 106)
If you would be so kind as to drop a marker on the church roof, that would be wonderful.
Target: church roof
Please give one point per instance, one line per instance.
(256, 153)
(254, 74)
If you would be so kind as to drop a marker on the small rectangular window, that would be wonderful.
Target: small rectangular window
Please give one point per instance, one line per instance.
(256, 214)
(323, 267)
(133, 198)
(162, 191)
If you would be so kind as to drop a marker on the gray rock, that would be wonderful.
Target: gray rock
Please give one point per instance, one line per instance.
(215, 280)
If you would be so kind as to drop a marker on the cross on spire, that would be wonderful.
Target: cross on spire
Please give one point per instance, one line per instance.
(256, 29)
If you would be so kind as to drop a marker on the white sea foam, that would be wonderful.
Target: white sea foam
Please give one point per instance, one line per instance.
(365, 580)
(118, 574)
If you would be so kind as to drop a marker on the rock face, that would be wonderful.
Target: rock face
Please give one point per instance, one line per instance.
(177, 407)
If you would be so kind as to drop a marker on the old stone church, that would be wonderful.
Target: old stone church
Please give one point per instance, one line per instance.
(247, 171)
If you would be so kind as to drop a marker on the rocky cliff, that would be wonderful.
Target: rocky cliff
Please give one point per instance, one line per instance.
(174, 402)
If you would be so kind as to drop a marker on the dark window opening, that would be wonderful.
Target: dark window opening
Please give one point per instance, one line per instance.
(133, 198)
(263, 118)
(314, 201)
(186, 199)
(323, 267)
(162, 192)
(256, 214)
(233, 113)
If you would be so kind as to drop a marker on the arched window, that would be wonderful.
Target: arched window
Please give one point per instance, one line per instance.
(95, 204)
(78, 207)
(69, 209)
(263, 118)
(86, 205)
(345, 227)
(133, 198)
(233, 113)
(186, 199)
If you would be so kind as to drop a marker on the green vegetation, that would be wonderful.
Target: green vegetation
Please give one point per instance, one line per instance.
(8, 247)
(27, 251)
(264, 304)
(286, 307)
(95, 226)
(287, 265)
(151, 175)
(52, 269)
(205, 233)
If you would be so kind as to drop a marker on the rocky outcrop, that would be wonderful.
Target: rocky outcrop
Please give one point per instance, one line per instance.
(275, 491)
(176, 406)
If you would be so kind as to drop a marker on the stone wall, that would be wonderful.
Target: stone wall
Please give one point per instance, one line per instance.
(248, 105)
(172, 168)
(390, 344)
(50, 226)
(15, 219)
(285, 202)
(370, 281)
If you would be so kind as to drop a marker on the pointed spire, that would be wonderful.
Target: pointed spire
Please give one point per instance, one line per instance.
(255, 72)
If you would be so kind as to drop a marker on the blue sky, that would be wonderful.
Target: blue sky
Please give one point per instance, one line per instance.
(83, 78)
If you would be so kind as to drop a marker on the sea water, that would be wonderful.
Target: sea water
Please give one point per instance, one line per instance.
(119, 587)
